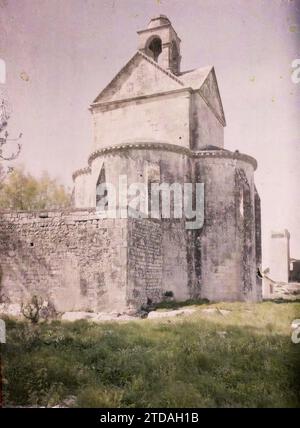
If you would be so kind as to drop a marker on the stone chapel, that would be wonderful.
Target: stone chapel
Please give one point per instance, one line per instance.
(153, 123)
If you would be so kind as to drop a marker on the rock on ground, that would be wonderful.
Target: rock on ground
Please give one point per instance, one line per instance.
(166, 314)
(223, 312)
(96, 317)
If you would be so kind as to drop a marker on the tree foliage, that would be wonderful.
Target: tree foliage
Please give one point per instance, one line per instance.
(21, 191)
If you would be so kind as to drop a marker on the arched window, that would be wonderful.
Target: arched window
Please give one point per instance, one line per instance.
(154, 48)
(101, 191)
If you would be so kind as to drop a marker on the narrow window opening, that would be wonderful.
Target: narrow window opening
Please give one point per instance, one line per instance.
(101, 191)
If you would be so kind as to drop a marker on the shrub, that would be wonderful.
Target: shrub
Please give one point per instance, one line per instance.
(31, 310)
(169, 294)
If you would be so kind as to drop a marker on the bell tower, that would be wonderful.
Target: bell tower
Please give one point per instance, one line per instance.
(160, 42)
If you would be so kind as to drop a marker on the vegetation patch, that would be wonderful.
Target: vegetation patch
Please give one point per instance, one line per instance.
(243, 359)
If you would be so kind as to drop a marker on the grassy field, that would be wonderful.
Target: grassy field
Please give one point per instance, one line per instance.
(242, 359)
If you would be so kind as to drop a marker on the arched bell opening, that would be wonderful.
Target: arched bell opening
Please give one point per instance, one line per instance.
(154, 47)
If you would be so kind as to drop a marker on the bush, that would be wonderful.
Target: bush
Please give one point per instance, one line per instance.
(31, 310)
(169, 294)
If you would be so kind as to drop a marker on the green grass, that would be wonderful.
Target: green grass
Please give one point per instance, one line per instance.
(243, 359)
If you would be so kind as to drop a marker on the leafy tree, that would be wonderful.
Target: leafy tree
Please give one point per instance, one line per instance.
(21, 191)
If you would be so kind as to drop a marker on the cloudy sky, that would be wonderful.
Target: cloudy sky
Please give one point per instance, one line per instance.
(60, 53)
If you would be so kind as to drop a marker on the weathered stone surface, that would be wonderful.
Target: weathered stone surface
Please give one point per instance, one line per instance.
(295, 324)
(167, 314)
(10, 310)
(97, 317)
(223, 312)
(76, 316)
(152, 124)
(76, 268)
(280, 290)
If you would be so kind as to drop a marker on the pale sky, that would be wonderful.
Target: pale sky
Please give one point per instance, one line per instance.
(61, 53)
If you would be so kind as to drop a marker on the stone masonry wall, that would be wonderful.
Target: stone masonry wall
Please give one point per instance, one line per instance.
(145, 261)
(73, 259)
(227, 240)
(157, 261)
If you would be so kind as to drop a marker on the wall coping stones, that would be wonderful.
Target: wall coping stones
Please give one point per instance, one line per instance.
(81, 171)
(77, 217)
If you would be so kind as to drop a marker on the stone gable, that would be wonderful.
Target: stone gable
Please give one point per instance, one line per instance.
(141, 76)
(210, 92)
